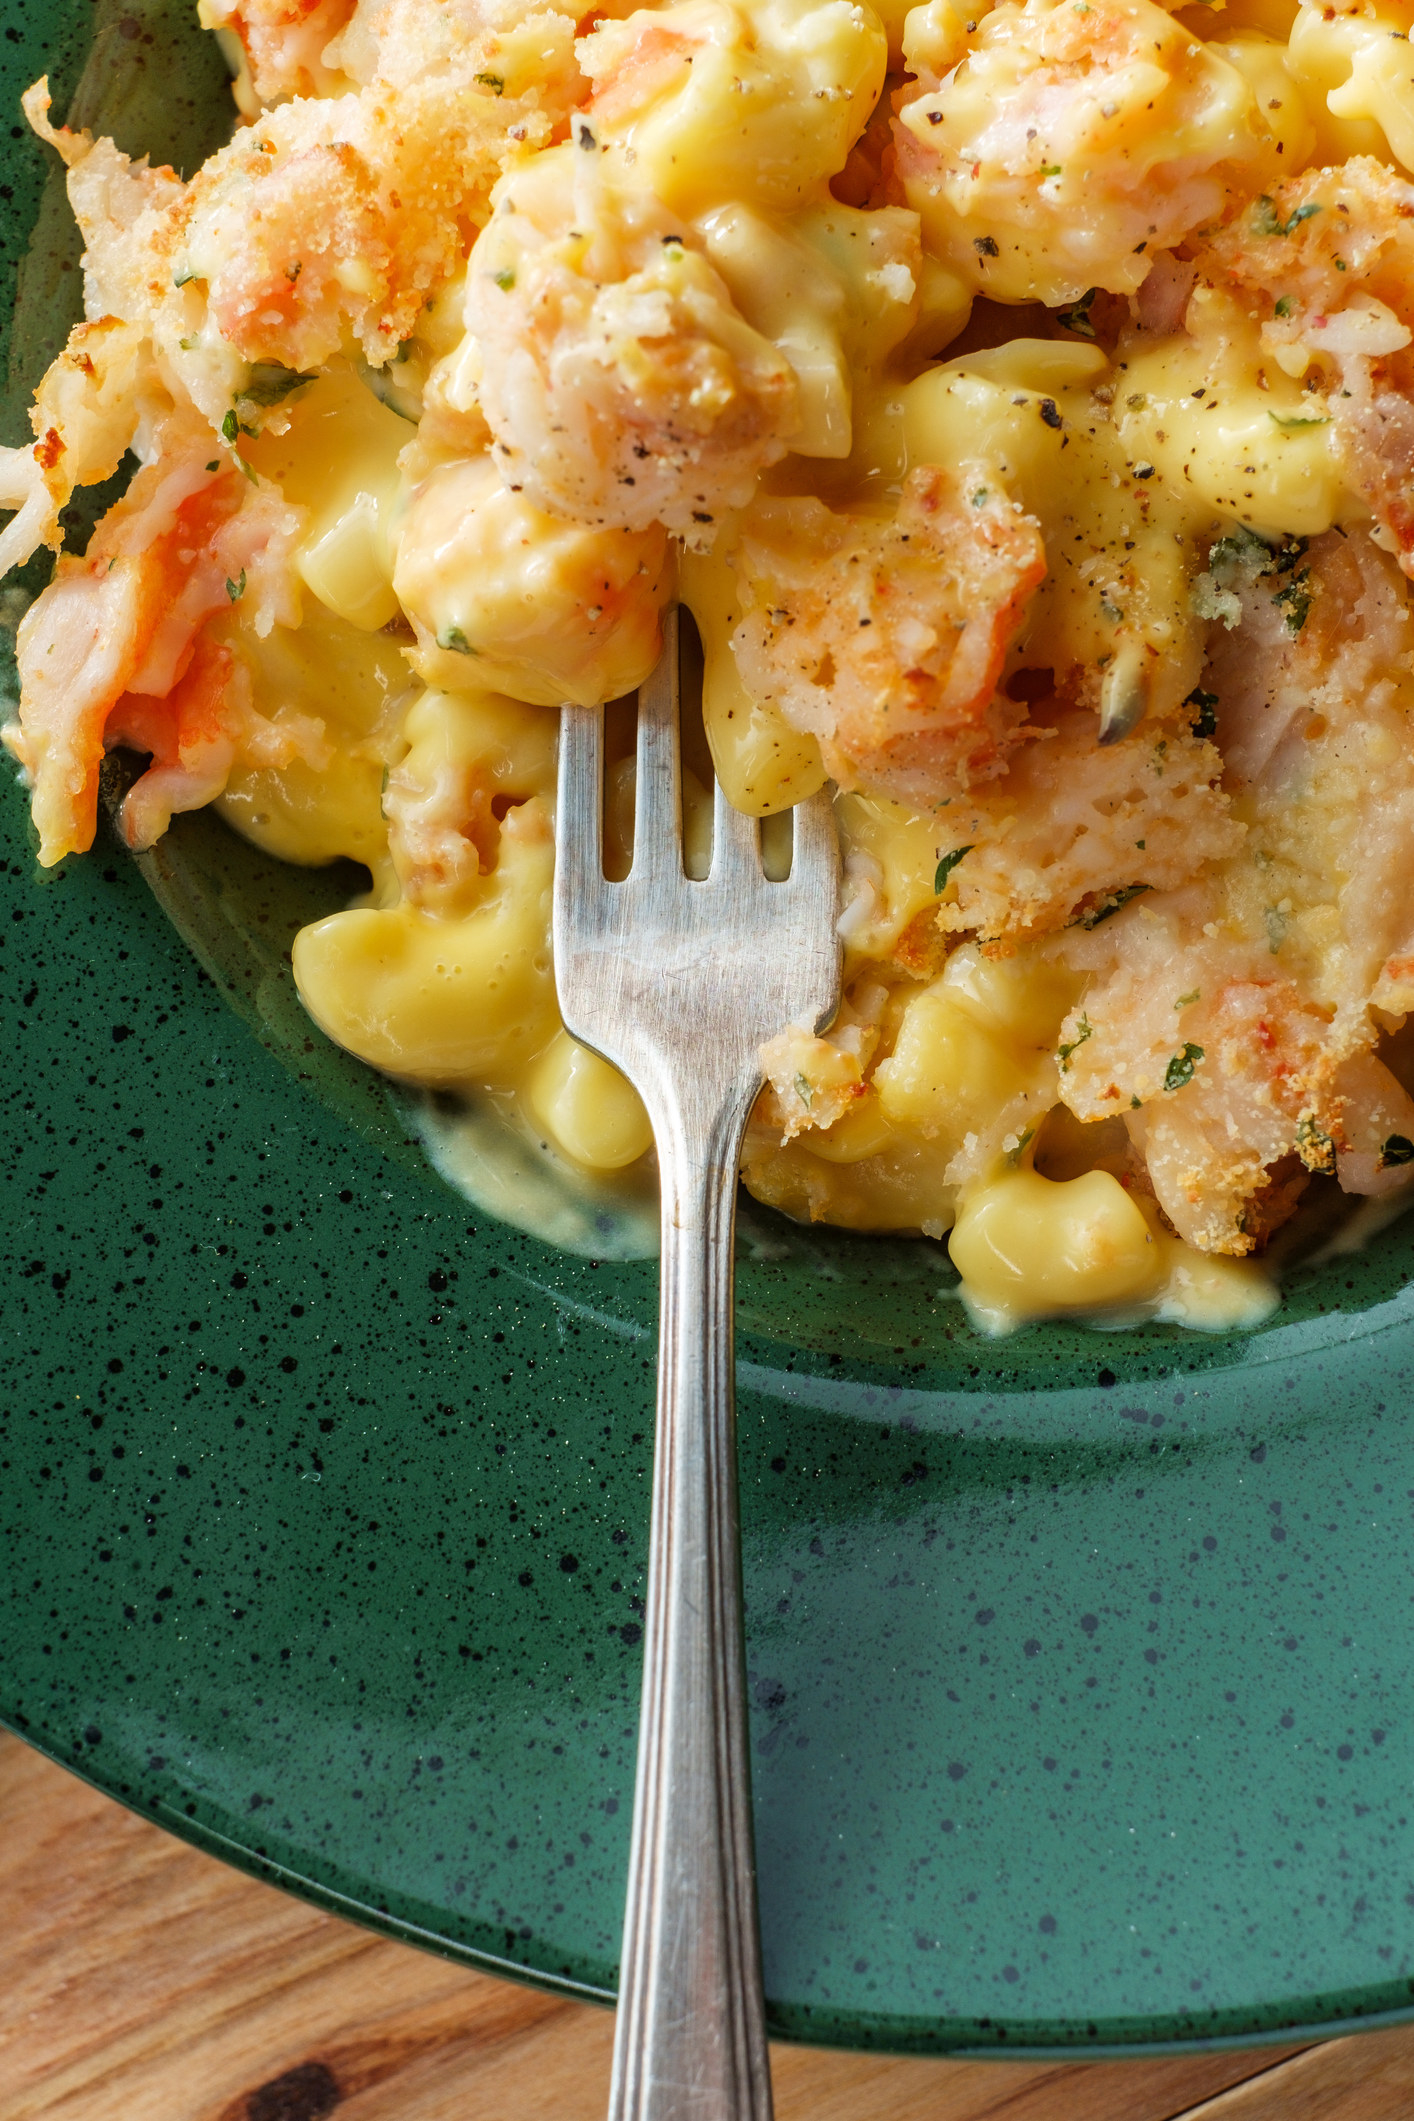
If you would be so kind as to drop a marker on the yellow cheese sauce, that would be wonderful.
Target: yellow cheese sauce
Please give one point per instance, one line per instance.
(1019, 402)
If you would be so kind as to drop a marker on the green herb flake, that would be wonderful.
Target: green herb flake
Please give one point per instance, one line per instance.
(1109, 904)
(1266, 221)
(1205, 706)
(1083, 1030)
(230, 428)
(214, 465)
(505, 279)
(185, 273)
(1285, 304)
(1295, 420)
(452, 637)
(1293, 600)
(492, 81)
(1186, 1001)
(946, 867)
(236, 590)
(1180, 1068)
(1241, 547)
(979, 499)
(1396, 1149)
(270, 381)
(1018, 1150)
(1316, 1148)
(1051, 169)
(1077, 317)
(804, 1090)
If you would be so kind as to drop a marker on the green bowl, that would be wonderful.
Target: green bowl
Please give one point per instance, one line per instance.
(1079, 1677)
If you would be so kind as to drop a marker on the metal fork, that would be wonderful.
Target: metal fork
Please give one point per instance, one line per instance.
(679, 984)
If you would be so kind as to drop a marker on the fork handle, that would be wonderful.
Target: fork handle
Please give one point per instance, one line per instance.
(690, 2044)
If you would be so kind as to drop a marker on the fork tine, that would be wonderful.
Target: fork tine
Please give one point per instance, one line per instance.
(736, 843)
(657, 825)
(815, 855)
(579, 810)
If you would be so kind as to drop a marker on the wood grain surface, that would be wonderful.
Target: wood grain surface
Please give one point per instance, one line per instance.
(140, 1981)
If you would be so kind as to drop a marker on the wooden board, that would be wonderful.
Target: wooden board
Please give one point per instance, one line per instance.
(140, 1981)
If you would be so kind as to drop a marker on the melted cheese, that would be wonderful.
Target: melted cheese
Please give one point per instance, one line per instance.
(1228, 432)
(1121, 558)
(338, 458)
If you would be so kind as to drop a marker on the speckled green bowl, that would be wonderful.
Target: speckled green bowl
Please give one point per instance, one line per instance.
(1081, 1664)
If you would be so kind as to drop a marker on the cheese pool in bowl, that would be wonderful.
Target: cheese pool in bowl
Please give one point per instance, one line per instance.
(1022, 406)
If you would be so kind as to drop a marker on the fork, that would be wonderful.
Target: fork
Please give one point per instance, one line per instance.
(679, 984)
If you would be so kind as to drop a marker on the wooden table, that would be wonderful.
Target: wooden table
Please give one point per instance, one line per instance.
(140, 1981)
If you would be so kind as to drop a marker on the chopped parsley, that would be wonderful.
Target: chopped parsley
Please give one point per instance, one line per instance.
(1083, 1030)
(1240, 547)
(236, 590)
(1241, 558)
(1205, 706)
(1109, 902)
(1266, 221)
(946, 867)
(453, 638)
(1293, 600)
(1316, 1147)
(1179, 1071)
(269, 382)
